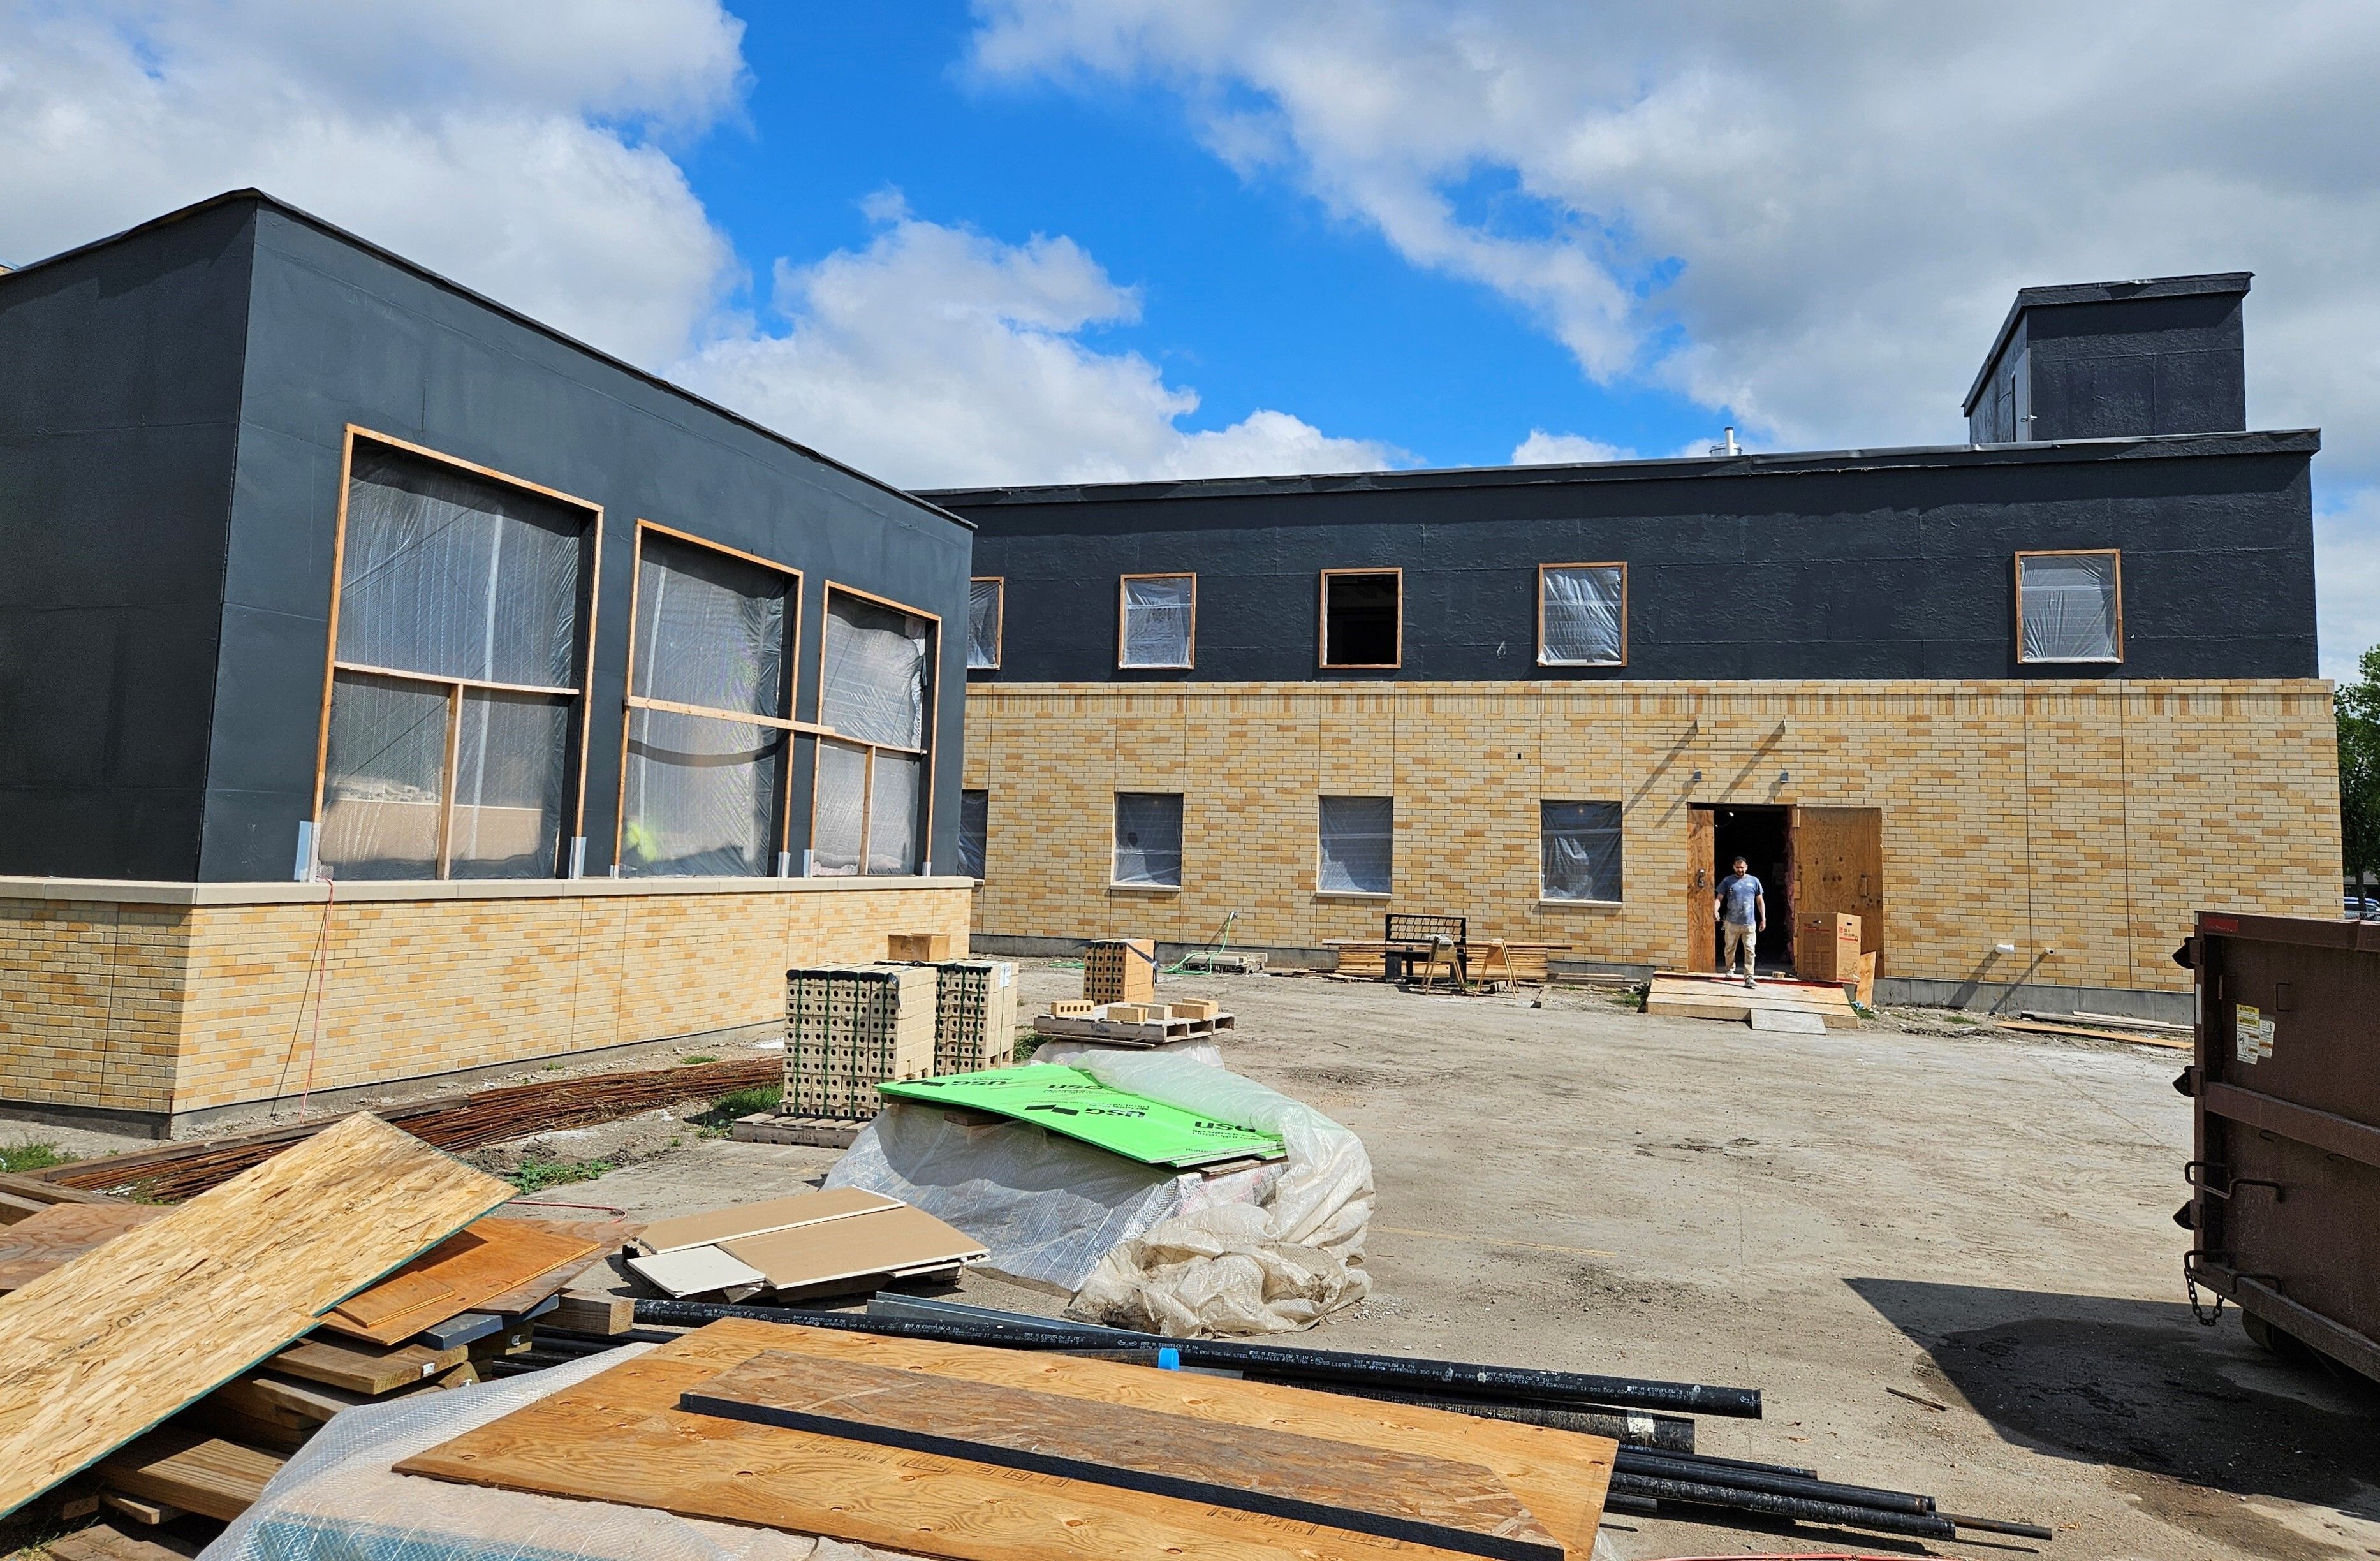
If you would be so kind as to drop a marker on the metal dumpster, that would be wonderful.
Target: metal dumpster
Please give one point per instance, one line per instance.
(2286, 1166)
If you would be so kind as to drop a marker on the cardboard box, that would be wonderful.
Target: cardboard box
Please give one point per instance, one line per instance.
(1827, 948)
(932, 948)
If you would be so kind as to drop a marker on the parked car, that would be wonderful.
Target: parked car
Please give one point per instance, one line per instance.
(2366, 910)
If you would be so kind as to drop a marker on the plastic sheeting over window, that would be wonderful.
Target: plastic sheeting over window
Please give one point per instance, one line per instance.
(1586, 614)
(2066, 603)
(1157, 619)
(1358, 844)
(386, 778)
(839, 817)
(1581, 842)
(984, 605)
(710, 629)
(509, 765)
(873, 687)
(893, 795)
(974, 817)
(701, 797)
(1148, 838)
(454, 576)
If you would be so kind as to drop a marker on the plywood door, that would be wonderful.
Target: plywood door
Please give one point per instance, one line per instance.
(1702, 852)
(1839, 867)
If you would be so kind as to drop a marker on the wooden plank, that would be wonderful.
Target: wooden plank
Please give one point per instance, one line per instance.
(197, 1472)
(105, 1542)
(2036, 1027)
(58, 1233)
(95, 1352)
(366, 1368)
(1701, 884)
(282, 1396)
(1839, 869)
(1459, 1506)
(618, 1437)
(36, 1190)
(605, 1316)
(459, 1274)
(754, 1219)
(610, 1236)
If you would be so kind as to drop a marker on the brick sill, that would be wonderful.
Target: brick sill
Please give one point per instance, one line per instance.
(1545, 904)
(1159, 889)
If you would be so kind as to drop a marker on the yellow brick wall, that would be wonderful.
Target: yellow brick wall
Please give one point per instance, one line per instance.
(174, 1007)
(2082, 821)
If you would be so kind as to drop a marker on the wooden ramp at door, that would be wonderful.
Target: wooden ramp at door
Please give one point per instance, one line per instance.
(1772, 1005)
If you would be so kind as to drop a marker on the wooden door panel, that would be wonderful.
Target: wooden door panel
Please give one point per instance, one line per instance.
(1839, 867)
(1702, 846)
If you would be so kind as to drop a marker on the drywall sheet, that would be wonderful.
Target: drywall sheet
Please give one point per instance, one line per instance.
(697, 1271)
(890, 1240)
(96, 1353)
(620, 1438)
(462, 1272)
(1394, 1494)
(61, 1233)
(753, 1219)
(1069, 1101)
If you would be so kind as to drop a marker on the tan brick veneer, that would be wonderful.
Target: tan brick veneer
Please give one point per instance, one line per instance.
(2082, 821)
(176, 997)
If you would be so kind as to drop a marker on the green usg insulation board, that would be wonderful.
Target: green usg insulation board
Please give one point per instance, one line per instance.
(1069, 1101)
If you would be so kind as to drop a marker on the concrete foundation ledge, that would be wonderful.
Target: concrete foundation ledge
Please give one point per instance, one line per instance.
(1970, 997)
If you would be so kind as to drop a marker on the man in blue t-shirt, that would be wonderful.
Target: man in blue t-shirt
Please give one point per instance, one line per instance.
(1742, 909)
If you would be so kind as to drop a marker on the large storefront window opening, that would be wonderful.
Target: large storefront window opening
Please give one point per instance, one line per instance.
(447, 747)
(869, 804)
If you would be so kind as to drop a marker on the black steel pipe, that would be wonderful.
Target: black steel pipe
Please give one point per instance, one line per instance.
(1638, 1428)
(1632, 1461)
(1502, 1383)
(1800, 1508)
(1755, 1467)
(2001, 1526)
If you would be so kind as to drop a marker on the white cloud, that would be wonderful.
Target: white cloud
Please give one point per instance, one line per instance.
(1543, 449)
(505, 146)
(2347, 581)
(938, 357)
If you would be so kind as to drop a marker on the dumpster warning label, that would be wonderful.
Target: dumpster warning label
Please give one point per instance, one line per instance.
(2252, 1033)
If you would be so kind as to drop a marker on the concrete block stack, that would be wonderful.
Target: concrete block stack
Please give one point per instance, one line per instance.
(850, 1027)
(975, 1015)
(1119, 970)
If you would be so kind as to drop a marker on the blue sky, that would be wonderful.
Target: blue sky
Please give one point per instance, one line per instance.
(982, 241)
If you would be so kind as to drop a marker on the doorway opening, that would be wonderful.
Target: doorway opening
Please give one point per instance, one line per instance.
(1763, 838)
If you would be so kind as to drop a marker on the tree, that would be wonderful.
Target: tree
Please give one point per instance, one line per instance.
(2359, 769)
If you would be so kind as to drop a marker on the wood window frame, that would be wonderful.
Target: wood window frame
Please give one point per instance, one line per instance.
(1123, 592)
(1322, 645)
(2115, 554)
(1618, 563)
(1321, 799)
(825, 734)
(786, 726)
(1181, 843)
(1545, 897)
(999, 629)
(588, 598)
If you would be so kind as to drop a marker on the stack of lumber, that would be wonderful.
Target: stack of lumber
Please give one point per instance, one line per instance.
(1119, 970)
(841, 1241)
(105, 1357)
(1135, 1024)
(1799, 1007)
(951, 1450)
(850, 1027)
(21, 1197)
(2088, 1027)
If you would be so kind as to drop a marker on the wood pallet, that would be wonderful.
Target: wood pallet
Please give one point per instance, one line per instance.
(1144, 1033)
(1713, 997)
(772, 1127)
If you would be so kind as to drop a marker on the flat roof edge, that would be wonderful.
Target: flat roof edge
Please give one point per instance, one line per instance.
(381, 252)
(1798, 462)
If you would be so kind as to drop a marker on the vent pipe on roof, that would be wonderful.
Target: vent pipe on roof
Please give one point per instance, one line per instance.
(1730, 447)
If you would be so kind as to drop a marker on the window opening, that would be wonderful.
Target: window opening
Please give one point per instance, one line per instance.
(1580, 842)
(702, 787)
(975, 811)
(2070, 607)
(869, 804)
(1362, 617)
(1358, 845)
(454, 689)
(985, 603)
(1148, 839)
(1156, 622)
(1582, 614)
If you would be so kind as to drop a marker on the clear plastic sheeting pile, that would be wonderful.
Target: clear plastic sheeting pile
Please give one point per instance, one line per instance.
(337, 1500)
(1265, 1249)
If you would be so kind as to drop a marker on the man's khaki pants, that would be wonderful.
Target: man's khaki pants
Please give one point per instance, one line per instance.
(1737, 938)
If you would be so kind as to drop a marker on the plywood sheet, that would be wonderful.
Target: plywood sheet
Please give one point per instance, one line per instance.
(97, 1351)
(459, 1274)
(1394, 1494)
(753, 1219)
(60, 1233)
(890, 1240)
(618, 1437)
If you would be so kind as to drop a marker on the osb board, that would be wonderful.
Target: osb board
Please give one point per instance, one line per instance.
(753, 1219)
(620, 1433)
(97, 1351)
(1394, 1494)
(886, 1241)
(486, 1259)
(61, 1233)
